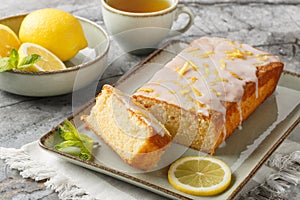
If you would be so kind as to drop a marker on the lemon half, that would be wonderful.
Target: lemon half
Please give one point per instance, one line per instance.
(56, 30)
(8, 41)
(48, 61)
(199, 175)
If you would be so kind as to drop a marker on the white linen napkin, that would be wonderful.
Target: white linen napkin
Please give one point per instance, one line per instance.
(74, 182)
(68, 180)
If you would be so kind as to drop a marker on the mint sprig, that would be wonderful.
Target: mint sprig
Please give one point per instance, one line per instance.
(13, 61)
(72, 138)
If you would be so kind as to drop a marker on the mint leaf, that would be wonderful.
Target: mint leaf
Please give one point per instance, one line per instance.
(68, 126)
(14, 58)
(84, 156)
(13, 61)
(72, 138)
(65, 134)
(68, 143)
(28, 61)
(5, 65)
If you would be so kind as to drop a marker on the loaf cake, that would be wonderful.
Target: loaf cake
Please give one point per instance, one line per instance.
(209, 89)
(129, 129)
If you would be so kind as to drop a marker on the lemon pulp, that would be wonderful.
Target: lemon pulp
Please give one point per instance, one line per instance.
(48, 61)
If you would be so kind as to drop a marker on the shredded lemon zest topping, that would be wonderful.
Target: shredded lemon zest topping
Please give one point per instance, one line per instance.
(184, 69)
(216, 72)
(258, 64)
(155, 95)
(171, 92)
(216, 92)
(262, 57)
(223, 64)
(194, 67)
(189, 97)
(136, 103)
(205, 65)
(148, 90)
(222, 80)
(192, 109)
(184, 91)
(207, 71)
(199, 104)
(194, 79)
(231, 42)
(180, 85)
(206, 54)
(141, 114)
(197, 92)
(235, 75)
(158, 82)
(236, 53)
(192, 50)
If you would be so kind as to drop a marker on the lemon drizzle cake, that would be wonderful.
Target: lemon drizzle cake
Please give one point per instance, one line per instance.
(206, 91)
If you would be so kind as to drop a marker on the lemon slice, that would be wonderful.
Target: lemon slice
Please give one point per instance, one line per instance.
(8, 41)
(48, 62)
(199, 175)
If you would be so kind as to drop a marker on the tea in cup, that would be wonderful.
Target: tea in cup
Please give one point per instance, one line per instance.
(140, 25)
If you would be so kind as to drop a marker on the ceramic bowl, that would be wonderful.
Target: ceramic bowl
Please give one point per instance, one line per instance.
(87, 66)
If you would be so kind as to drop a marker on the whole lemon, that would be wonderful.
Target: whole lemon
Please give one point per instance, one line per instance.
(56, 30)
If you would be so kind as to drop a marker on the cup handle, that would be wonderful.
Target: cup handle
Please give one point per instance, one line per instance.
(179, 11)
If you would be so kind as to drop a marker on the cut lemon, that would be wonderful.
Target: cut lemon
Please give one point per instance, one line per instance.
(8, 41)
(48, 61)
(199, 175)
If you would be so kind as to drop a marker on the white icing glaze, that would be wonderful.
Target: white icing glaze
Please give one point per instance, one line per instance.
(209, 71)
(140, 111)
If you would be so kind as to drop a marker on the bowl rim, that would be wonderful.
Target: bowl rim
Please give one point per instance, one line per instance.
(68, 69)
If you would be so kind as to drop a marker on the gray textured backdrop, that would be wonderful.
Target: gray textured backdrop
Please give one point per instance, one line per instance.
(273, 25)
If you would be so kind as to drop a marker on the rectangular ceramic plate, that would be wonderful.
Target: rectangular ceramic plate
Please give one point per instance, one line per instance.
(244, 151)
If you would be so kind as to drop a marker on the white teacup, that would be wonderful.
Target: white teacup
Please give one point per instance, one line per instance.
(139, 32)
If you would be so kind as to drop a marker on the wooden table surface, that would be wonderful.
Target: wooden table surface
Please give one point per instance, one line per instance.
(272, 25)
